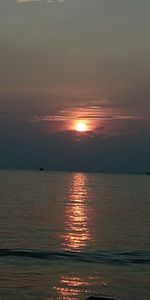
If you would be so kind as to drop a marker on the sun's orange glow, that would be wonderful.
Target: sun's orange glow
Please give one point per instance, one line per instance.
(81, 126)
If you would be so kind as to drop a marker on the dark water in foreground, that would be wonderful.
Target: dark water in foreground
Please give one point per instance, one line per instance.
(71, 235)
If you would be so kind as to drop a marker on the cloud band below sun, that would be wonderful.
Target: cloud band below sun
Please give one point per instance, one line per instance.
(94, 119)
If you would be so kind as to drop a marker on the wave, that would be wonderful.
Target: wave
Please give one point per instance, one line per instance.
(103, 256)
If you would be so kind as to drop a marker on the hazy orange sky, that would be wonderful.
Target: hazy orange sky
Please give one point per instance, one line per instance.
(66, 60)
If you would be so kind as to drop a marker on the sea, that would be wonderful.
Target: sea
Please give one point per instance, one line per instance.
(68, 236)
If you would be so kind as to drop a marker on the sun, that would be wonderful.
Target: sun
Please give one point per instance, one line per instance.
(81, 126)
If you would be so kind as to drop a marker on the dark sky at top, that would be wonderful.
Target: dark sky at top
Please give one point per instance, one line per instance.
(61, 61)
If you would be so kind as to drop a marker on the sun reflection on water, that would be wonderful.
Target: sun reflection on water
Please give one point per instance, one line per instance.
(76, 281)
(75, 287)
(77, 232)
(70, 287)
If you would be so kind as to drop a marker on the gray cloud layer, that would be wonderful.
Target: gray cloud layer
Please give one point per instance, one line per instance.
(83, 59)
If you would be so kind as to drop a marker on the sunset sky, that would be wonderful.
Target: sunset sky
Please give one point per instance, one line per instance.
(70, 60)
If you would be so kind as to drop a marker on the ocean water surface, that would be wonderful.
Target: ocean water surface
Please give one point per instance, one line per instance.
(71, 235)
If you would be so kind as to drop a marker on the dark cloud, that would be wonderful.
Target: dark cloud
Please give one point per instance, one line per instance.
(62, 151)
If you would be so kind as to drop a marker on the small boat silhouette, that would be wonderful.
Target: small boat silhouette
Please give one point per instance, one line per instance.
(41, 169)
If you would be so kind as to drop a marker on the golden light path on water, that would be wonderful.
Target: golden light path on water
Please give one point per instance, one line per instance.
(77, 233)
(76, 286)
(73, 282)
(71, 286)
(76, 238)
